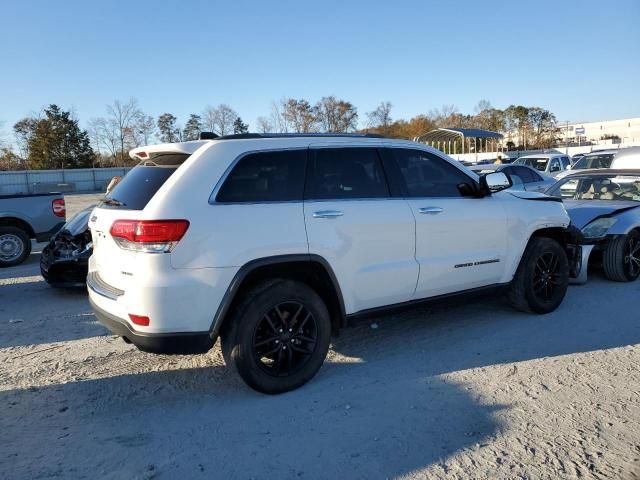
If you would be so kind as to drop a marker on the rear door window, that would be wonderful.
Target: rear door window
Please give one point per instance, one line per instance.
(276, 176)
(139, 185)
(344, 173)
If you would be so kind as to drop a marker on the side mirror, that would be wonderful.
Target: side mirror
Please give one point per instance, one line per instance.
(495, 182)
(555, 168)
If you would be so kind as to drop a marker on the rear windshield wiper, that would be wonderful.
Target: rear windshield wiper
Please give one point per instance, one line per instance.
(114, 202)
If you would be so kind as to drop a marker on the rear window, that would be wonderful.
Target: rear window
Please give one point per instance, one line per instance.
(594, 161)
(142, 182)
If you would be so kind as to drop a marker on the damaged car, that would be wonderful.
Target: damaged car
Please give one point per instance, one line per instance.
(65, 260)
(604, 205)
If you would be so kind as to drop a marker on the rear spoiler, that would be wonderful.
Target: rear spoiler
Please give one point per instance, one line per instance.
(148, 152)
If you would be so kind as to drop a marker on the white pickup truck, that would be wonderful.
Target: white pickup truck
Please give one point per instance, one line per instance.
(27, 216)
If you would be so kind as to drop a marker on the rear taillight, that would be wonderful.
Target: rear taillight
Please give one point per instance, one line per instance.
(59, 208)
(140, 320)
(152, 236)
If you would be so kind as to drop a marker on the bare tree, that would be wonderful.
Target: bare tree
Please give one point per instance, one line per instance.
(104, 136)
(264, 125)
(144, 129)
(219, 119)
(278, 119)
(121, 118)
(381, 117)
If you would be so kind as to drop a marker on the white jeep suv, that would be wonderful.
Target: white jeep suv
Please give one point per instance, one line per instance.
(273, 242)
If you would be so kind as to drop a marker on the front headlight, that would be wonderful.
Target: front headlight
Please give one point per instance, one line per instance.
(599, 227)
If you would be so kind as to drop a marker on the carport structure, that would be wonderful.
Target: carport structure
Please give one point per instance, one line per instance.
(462, 140)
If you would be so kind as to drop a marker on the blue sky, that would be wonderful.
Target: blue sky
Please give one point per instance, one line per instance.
(579, 59)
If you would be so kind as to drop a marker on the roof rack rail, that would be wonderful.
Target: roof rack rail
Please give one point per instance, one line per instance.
(244, 136)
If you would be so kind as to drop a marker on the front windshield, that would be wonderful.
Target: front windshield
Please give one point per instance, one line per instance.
(539, 164)
(598, 187)
(602, 160)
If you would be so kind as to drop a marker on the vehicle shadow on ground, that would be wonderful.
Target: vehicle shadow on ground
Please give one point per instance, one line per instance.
(203, 423)
(488, 332)
(387, 412)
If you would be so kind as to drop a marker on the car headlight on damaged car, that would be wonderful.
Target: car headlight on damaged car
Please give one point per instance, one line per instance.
(599, 227)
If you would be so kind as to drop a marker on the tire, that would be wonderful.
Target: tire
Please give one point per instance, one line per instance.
(15, 246)
(278, 336)
(541, 281)
(621, 258)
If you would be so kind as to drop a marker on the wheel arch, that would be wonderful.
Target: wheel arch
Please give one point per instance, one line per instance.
(312, 270)
(567, 237)
(18, 223)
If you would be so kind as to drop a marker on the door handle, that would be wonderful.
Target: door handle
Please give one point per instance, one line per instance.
(327, 214)
(430, 210)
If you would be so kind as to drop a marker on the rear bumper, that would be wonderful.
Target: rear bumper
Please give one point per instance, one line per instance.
(167, 343)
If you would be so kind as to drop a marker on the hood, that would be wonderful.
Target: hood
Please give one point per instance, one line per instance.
(79, 223)
(583, 212)
(524, 195)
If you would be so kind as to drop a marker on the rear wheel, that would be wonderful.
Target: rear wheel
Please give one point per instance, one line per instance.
(15, 246)
(621, 258)
(278, 337)
(542, 278)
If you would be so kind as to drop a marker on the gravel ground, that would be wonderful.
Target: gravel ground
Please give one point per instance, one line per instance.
(466, 390)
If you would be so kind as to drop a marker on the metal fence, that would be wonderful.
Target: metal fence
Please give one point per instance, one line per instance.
(41, 181)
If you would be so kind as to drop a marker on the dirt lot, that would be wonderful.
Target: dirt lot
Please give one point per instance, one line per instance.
(469, 390)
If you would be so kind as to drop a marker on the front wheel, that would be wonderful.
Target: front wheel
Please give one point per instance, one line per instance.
(621, 258)
(15, 246)
(542, 278)
(278, 337)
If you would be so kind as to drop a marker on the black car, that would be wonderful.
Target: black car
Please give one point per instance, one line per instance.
(65, 260)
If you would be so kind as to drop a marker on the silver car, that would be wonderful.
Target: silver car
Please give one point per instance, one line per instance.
(604, 205)
(523, 178)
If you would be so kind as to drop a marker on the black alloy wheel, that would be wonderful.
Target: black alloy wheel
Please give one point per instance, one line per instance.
(285, 339)
(547, 276)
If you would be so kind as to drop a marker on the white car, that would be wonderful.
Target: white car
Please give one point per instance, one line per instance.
(273, 242)
(593, 160)
(551, 164)
(626, 158)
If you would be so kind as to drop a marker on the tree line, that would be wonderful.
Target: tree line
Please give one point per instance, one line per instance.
(54, 139)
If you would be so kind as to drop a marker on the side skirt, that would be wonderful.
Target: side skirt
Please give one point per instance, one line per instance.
(494, 289)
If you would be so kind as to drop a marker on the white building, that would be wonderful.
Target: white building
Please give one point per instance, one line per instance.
(627, 130)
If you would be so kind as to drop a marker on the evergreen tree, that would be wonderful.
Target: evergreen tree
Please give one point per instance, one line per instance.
(56, 141)
(169, 132)
(239, 126)
(193, 128)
